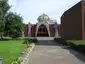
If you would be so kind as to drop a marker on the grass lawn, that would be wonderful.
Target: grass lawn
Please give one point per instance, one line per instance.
(11, 50)
(77, 42)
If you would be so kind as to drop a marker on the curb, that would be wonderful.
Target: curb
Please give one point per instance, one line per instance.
(25, 55)
(29, 51)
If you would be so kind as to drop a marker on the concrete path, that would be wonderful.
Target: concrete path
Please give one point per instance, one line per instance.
(49, 52)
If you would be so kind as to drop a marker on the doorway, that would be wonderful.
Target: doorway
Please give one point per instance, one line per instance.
(42, 31)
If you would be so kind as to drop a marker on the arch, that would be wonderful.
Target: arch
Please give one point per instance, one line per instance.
(46, 25)
(42, 31)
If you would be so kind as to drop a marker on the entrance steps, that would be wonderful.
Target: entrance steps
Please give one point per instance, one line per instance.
(45, 38)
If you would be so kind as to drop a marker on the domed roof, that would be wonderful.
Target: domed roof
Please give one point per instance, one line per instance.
(43, 17)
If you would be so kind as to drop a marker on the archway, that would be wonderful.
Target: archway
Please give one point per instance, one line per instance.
(42, 31)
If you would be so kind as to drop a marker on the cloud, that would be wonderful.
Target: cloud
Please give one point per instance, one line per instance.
(31, 9)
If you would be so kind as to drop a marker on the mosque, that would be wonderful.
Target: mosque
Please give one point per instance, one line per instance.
(72, 24)
(45, 27)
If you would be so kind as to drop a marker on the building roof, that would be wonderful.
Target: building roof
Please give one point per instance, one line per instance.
(43, 17)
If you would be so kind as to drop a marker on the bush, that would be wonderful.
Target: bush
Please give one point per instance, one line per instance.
(34, 40)
(61, 40)
(14, 62)
(81, 48)
(71, 44)
(31, 40)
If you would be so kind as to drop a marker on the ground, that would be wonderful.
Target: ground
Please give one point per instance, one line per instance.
(50, 52)
(11, 49)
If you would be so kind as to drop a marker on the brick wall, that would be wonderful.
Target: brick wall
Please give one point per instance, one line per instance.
(71, 23)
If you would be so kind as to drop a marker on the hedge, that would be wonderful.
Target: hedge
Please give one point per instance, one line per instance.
(79, 47)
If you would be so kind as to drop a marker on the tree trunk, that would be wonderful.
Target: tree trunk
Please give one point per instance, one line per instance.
(1, 36)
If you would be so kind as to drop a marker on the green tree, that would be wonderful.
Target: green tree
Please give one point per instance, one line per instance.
(4, 7)
(13, 25)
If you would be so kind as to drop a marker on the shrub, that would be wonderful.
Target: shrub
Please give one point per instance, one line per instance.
(81, 48)
(30, 40)
(34, 40)
(72, 44)
(14, 62)
(61, 40)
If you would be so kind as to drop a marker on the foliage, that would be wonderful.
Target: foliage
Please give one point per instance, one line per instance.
(4, 7)
(81, 48)
(78, 45)
(30, 40)
(14, 62)
(34, 40)
(61, 40)
(13, 25)
(77, 42)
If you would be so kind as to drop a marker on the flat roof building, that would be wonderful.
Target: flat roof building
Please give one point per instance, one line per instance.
(73, 22)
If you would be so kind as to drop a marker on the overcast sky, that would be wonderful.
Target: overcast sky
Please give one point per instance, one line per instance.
(31, 9)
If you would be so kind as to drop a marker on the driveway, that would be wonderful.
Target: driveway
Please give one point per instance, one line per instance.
(50, 52)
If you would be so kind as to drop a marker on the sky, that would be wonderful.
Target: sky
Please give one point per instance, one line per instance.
(30, 10)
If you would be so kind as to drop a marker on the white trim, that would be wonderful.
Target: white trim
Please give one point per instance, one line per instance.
(44, 23)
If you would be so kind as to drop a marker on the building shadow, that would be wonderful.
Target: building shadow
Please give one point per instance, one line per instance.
(76, 53)
(48, 43)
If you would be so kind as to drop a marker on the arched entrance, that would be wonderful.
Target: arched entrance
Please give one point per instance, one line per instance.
(42, 31)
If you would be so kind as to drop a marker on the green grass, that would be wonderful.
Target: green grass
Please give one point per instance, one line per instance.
(11, 50)
(77, 42)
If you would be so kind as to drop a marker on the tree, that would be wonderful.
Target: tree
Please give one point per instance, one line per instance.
(13, 25)
(4, 7)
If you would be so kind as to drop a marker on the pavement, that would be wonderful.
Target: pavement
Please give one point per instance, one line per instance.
(50, 52)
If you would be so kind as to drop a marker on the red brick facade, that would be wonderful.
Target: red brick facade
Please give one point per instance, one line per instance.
(33, 30)
(73, 22)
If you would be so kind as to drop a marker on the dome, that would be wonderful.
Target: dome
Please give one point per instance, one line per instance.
(43, 17)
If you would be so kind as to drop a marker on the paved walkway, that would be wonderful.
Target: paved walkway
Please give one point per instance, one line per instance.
(49, 52)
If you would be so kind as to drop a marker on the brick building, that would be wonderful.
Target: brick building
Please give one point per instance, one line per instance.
(45, 27)
(73, 22)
